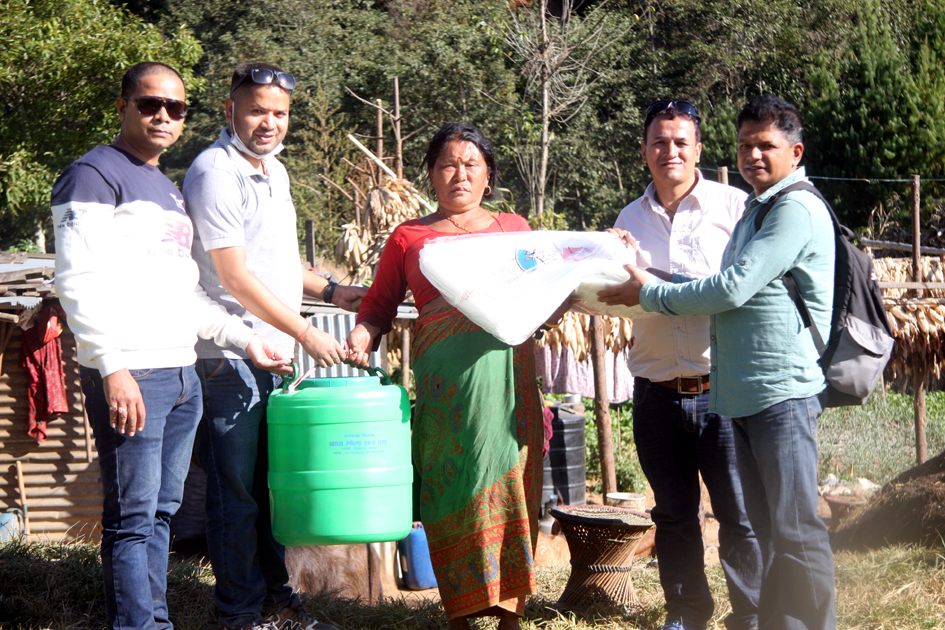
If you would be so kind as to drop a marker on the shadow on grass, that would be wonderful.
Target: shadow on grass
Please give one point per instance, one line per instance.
(59, 586)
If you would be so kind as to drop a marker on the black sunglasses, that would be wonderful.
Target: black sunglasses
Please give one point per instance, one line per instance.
(683, 107)
(151, 105)
(265, 76)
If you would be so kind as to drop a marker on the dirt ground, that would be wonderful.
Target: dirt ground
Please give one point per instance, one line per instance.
(553, 550)
(910, 509)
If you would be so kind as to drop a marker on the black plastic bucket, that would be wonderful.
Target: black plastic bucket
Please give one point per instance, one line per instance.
(565, 463)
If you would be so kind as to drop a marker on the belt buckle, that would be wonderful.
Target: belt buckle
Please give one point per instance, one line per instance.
(679, 384)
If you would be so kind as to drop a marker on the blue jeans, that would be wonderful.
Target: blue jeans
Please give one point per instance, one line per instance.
(777, 456)
(677, 439)
(232, 445)
(142, 483)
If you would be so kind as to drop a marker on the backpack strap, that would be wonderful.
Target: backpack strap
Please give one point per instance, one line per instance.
(802, 185)
(791, 285)
(788, 278)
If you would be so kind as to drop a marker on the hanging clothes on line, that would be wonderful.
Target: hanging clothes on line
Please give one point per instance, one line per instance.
(41, 357)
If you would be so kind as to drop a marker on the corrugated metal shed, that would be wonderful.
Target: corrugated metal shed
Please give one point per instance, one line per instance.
(61, 475)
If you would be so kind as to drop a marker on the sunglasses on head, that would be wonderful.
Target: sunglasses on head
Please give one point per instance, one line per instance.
(683, 107)
(265, 76)
(151, 105)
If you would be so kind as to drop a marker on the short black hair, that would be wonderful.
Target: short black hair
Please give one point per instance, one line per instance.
(134, 74)
(460, 131)
(242, 69)
(671, 112)
(771, 110)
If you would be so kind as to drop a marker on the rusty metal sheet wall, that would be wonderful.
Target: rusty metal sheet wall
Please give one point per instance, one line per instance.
(63, 488)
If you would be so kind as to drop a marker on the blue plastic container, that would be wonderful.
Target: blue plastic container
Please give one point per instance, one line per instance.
(11, 524)
(415, 562)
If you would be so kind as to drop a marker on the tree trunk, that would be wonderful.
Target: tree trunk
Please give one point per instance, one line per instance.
(545, 115)
(398, 139)
(380, 135)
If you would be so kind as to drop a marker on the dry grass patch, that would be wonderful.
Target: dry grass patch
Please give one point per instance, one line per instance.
(901, 588)
(58, 586)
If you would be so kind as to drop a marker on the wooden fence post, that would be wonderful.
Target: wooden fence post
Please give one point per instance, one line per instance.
(605, 440)
(310, 241)
(405, 354)
(918, 359)
(723, 175)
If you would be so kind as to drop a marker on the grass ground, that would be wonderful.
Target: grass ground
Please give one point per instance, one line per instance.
(875, 441)
(59, 587)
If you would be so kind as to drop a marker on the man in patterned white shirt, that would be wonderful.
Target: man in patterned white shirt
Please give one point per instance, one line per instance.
(681, 225)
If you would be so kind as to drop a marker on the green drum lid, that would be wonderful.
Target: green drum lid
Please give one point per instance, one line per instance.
(327, 400)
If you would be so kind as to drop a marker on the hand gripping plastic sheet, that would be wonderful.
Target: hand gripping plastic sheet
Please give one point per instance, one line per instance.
(510, 284)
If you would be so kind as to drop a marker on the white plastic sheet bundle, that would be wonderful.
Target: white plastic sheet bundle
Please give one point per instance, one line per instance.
(510, 284)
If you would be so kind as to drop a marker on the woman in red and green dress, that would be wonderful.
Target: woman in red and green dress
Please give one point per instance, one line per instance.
(477, 430)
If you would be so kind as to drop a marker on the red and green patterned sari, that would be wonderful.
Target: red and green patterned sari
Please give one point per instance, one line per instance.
(477, 442)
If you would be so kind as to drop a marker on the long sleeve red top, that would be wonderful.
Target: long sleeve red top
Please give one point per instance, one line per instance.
(400, 268)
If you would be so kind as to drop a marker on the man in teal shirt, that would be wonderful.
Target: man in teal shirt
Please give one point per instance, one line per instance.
(764, 370)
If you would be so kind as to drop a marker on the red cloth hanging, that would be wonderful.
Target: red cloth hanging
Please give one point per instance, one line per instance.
(41, 357)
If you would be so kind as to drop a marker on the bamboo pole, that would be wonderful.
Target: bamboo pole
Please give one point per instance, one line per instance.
(908, 247)
(918, 359)
(605, 441)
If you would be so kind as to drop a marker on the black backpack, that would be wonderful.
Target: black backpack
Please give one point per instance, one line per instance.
(861, 340)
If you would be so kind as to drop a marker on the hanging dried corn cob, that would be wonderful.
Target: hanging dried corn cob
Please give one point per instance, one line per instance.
(386, 206)
(574, 333)
(918, 324)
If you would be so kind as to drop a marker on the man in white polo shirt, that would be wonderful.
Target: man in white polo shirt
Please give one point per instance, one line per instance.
(681, 225)
(247, 249)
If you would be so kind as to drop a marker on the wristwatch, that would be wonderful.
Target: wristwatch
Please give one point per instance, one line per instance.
(329, 292)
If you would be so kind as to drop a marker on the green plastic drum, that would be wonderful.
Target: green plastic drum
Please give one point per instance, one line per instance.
(339, 462)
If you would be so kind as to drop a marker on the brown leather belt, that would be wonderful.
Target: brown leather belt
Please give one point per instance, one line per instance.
(687, 385)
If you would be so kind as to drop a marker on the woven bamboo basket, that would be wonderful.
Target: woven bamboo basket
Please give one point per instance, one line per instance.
(602, 541)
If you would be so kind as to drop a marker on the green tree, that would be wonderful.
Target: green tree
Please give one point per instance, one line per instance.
(560, 58)
(60, 72)
(597, 166)
(878, 112)
(441, 50)
(721, 54)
